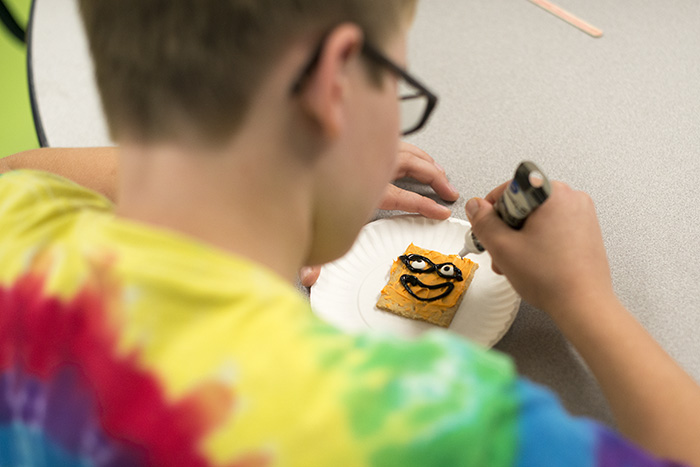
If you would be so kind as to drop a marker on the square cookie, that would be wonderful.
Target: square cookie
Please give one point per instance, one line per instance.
(427, 285)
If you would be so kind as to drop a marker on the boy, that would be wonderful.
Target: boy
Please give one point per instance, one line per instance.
(257, 137)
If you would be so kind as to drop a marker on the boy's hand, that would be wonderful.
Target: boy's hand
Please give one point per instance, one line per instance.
(557, 261)
(417, 164)
(308, 275)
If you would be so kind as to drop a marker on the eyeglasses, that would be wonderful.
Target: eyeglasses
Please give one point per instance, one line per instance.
(421, 264)
(416, 101)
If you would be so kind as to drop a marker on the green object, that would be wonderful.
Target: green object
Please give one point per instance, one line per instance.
(17, 131)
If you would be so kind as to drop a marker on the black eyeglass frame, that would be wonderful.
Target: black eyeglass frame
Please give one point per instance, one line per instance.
(431, 267)
(382, 60)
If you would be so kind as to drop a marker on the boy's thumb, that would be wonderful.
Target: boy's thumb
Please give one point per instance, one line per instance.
(484, 219)
(472, 208)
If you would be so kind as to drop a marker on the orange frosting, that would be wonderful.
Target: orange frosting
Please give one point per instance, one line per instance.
(394, 294)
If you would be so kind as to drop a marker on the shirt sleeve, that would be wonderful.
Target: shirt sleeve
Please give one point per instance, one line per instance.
(548, 435)
(449, 402)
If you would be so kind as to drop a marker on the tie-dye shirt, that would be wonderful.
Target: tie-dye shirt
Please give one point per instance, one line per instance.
(122, 344)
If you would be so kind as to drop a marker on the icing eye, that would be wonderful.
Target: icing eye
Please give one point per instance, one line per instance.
(419, 264)
(447, 270)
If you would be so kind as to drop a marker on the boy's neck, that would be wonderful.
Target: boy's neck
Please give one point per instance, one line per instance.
(238, 204)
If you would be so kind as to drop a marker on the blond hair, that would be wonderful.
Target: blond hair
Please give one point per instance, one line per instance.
(161, 65)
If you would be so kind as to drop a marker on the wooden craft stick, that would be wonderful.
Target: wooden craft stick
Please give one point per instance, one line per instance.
(568, 17)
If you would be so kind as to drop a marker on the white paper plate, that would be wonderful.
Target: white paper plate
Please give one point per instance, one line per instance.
(347, 290)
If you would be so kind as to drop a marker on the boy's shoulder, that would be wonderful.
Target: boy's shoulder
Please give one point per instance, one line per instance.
(37, 209)
(28, 197)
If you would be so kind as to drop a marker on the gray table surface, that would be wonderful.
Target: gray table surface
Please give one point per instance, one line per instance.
(618, 117)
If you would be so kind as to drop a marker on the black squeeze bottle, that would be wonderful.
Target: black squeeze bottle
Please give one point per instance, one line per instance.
(525, 193)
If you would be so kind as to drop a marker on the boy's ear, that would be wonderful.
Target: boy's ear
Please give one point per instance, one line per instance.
(324, 95)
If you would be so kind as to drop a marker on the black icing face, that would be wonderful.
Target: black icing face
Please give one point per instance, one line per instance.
(419, 264)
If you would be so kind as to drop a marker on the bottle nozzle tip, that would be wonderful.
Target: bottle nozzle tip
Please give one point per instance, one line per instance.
(471, 245)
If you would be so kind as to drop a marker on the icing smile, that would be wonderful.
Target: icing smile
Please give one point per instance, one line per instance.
(410, 282)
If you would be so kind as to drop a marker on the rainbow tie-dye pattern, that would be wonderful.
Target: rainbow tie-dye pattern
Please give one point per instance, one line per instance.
(121, 345)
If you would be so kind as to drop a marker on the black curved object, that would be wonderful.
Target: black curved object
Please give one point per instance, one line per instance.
(11, 23)
(38, 126)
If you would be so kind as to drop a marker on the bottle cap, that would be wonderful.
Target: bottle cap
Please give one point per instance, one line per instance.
(471, 245)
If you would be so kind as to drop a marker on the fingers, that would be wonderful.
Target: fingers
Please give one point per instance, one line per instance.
(417, 164)
(481, 212)
(496, 193)
(486, 224)
(409, 148)
(308, 275)
(564, 188)
(401, 200)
